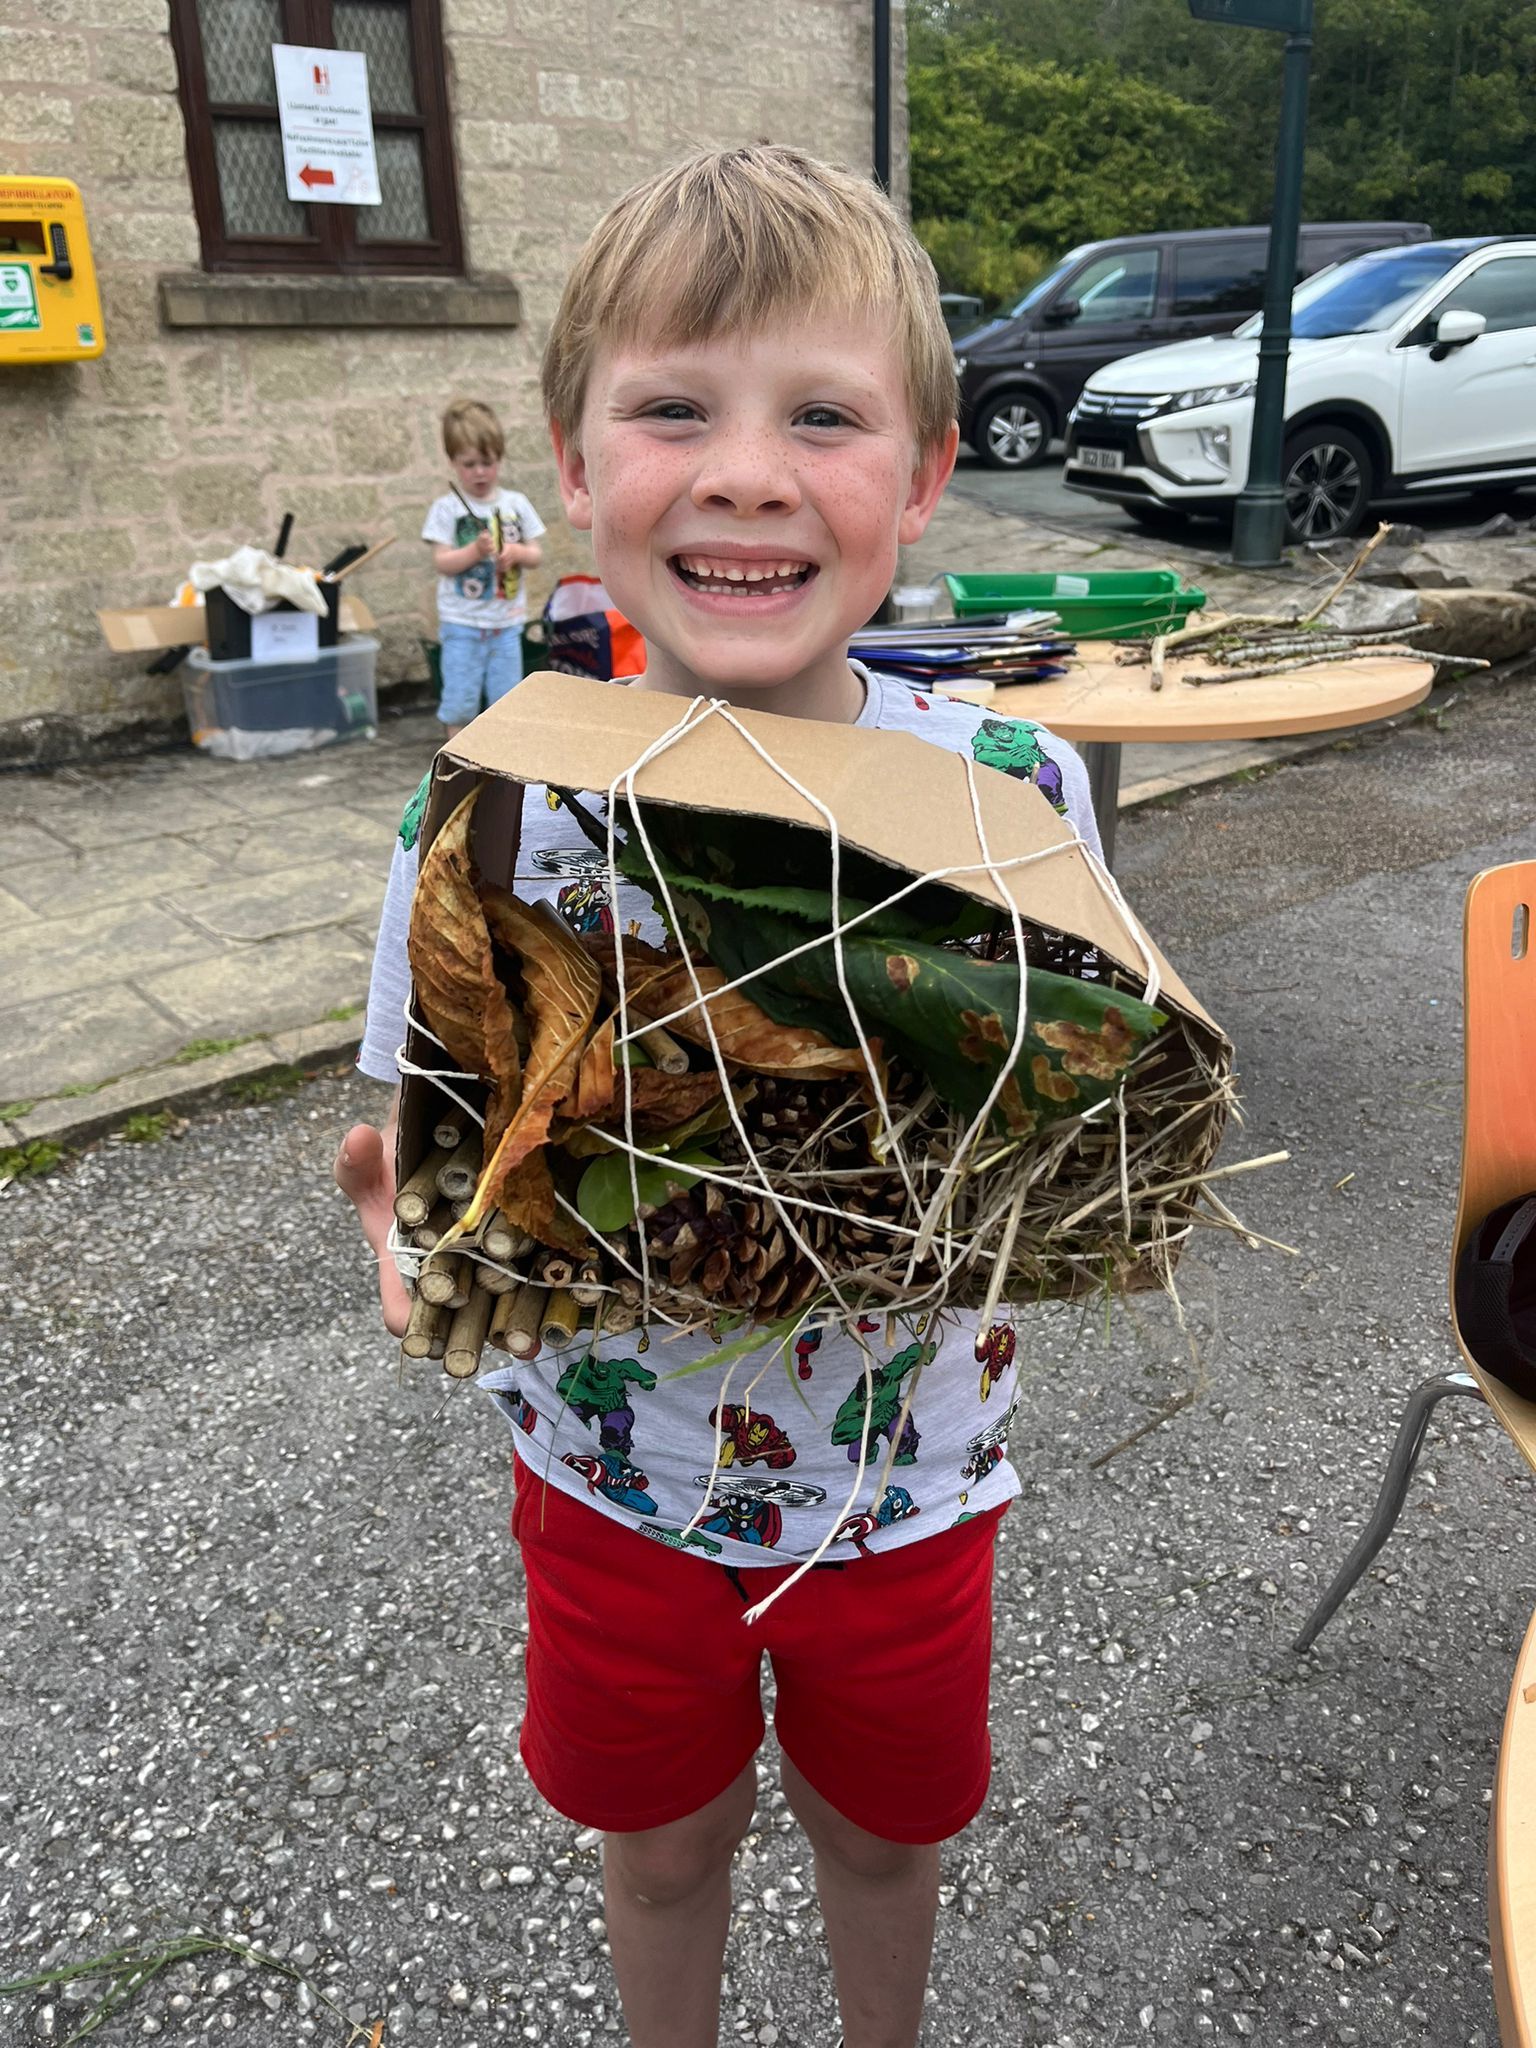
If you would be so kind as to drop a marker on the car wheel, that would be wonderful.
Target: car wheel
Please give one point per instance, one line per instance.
(1327, 479)
(1013, 432)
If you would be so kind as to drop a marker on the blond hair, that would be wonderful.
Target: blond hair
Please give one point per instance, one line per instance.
(467, 424)
(735, 240)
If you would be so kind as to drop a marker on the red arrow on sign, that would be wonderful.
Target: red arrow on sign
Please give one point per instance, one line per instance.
(310, 176)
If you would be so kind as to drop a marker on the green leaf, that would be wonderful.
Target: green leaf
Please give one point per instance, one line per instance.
(787, 868)
(950, 1014)
(606, 1198)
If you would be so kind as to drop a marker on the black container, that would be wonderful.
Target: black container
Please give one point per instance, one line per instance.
(229, 626)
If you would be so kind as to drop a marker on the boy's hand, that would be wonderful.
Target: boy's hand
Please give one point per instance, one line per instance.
(512, 552)
(484, 545)
(365, 1173)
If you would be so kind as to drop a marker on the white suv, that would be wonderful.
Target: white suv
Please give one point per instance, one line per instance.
(1412, 370)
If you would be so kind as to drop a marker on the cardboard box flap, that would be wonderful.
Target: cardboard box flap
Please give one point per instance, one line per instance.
(150, 628)
(894, 796)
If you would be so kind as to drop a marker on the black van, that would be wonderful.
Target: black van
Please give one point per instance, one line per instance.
(1021, 373)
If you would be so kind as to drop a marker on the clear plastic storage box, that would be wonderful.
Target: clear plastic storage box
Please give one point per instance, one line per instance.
(244, 710)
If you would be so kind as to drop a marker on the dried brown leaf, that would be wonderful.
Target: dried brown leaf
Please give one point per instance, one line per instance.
(561, 988)
(661, 1100)
(457, 986)
(746, 1035)
(595, 1080)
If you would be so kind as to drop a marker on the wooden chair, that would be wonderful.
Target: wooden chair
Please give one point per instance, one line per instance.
(1498, 1162)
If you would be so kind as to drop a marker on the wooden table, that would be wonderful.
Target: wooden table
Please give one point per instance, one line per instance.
(1105, 706)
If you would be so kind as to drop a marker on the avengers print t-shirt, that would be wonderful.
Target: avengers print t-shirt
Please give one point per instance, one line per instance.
(755, 1464)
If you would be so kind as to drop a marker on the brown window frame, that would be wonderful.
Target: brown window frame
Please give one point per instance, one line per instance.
(332, 244)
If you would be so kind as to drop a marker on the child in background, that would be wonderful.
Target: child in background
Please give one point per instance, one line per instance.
(751, 395)
(483, 536)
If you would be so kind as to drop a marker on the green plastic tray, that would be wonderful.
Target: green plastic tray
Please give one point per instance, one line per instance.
(1114, 604)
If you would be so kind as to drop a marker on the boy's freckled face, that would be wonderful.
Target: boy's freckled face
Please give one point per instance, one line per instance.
(476, 472)
(746, 496)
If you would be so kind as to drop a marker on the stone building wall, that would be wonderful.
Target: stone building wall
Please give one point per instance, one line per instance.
(182, 441)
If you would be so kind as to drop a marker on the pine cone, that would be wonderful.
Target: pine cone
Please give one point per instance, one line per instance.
(732, 1250)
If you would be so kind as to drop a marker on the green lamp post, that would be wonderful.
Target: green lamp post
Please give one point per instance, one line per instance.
(1258, 527)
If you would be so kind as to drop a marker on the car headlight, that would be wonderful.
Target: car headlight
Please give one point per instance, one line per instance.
(960, 366)
(1212, 394)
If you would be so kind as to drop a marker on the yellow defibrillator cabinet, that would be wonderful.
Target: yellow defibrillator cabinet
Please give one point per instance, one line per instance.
(50, 309)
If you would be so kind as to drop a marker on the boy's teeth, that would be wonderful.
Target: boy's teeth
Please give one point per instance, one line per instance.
(711, 572)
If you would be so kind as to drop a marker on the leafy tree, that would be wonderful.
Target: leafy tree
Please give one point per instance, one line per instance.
(1037, 123)
(1027, 159)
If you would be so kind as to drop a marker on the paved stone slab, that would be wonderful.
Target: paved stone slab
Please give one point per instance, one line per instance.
(94, 1032)
(140, 809)
(285, 983)
(299, 782)
(23, 841)
(14, 913)
(119, 943)
(257, 845)
(286, 900)
(123, 873)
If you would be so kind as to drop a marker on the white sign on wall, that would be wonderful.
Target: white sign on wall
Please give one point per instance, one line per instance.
(322, 103)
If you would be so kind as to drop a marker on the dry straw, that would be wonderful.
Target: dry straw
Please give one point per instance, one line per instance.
(883, 1198)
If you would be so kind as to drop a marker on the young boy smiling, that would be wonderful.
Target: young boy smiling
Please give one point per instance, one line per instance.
(752, 404)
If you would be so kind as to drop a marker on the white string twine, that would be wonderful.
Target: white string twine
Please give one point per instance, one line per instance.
(934, 1235)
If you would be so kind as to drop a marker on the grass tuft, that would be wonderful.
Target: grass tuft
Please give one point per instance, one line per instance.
(24, 1162)
(147, 1127)
(128, 1969)
(252, 1089)
(204, 1049)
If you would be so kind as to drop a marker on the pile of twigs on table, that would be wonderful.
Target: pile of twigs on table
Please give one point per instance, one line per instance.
(1250, 645)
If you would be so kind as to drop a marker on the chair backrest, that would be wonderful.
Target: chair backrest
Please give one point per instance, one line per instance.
(1498, 1149)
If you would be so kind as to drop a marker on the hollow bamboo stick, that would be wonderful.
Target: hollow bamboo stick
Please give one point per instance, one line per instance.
(502, 1239)
(664, 1051)
(494, 1279)
(428, 1320)
(457, 1175)
(466, 1336)
(451, 1130)
(517, 1321)
(414, 1200)
(619, 1318)
(562, 1319)
(442, 1278)
(587, 1288)
(556, 1270)
(426, 1235)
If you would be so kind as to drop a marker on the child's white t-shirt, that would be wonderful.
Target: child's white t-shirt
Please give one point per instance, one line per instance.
(471, 598)
(769, 1448)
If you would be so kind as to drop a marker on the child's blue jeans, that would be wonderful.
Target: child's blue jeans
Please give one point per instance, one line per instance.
(479, 664)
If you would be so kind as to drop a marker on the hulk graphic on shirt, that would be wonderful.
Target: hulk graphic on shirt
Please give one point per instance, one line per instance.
(871, 1411)
(1013, 745)
(596, 1387)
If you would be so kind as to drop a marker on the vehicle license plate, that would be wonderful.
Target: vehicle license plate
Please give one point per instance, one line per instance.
(1101, 458)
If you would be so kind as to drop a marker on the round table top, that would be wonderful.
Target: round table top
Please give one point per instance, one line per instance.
(1103, 702)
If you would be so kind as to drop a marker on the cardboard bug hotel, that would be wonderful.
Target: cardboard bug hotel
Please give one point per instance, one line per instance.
(904, 1047)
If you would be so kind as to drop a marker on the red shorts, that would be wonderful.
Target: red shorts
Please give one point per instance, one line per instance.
(644, 1697)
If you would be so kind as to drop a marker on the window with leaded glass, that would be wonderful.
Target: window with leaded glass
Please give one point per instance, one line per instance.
(234, 143)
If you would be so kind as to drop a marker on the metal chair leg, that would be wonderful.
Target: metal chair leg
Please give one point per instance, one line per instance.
(1422, 1403)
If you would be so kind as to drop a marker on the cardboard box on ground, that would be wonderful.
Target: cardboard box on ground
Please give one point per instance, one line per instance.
(895, 797)
(149, 629)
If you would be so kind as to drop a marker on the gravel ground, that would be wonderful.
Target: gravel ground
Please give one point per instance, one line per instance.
(262, 1646)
